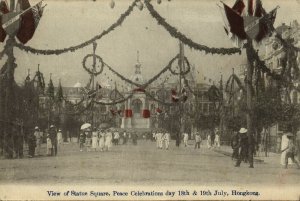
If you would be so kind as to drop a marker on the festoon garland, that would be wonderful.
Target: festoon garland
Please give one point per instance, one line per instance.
(84, 44)
(183, 38)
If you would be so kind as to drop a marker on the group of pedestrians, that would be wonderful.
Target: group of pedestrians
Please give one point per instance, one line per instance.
(213, 139)
(97, 139)
(162, 138)
(53, 140)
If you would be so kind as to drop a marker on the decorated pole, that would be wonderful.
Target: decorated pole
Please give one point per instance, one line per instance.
(181, 69)
(9, 91)
(93, 80)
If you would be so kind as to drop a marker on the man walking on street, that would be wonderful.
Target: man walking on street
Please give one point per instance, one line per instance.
(246, 146)
(197, 140)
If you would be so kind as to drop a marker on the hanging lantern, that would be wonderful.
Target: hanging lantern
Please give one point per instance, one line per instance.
(158, 1)
(112, 4)
(140, 5)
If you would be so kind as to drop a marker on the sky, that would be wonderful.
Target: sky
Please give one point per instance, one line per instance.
(67, 23)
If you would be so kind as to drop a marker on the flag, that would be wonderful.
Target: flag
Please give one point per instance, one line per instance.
(174, 96)
(158, 110)
(234, 22)
(29, 20)
(259, 11)
(250, 8)
(239, 7)
(37, 11)
(266, 23)
(3, 10)
(240, 22)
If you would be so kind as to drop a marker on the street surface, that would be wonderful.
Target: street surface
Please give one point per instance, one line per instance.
(144, 164)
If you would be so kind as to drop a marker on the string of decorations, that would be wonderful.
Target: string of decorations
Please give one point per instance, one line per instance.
(159, 101)
(254, 57)
(176, 34)
(167, 67)
(114, 102)
(91, 71)
(182, 72)
(81, 100)
(118, 23)
(80, 111)
(231, 79)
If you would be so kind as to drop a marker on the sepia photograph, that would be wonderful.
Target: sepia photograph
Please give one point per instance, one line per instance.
(149, 100)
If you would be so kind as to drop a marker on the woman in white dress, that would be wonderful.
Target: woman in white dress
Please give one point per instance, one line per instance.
(208, 141)
(108, 139)
(94, 139)
(102, 140)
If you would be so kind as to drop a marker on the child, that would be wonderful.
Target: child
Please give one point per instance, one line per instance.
(49, 145)
(81, 140)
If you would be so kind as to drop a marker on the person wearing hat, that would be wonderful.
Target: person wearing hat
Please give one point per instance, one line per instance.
(290, 151)
(38, 136)
(246, 147)
(53, 137)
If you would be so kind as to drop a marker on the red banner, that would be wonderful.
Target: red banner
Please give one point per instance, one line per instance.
(146, 113)
(128, 113)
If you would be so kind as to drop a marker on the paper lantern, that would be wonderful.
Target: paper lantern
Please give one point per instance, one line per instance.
(112, 4)
(140, 5)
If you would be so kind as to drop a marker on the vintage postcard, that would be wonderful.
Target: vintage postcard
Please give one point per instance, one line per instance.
(149, 100)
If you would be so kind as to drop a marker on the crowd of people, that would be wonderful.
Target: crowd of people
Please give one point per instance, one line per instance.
(103, 139)
(54, 139)
(243, 145)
